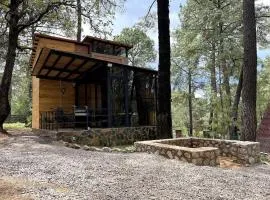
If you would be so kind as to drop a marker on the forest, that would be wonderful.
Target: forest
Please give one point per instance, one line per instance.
(208, 65)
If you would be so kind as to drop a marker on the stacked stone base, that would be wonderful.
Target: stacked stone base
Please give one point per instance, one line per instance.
(103, 136)
(201, 151)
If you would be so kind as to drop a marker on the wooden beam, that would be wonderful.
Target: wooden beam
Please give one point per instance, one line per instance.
(48, 56)
(53, 78)
(77, 69)
(66, 66)
(58, 69)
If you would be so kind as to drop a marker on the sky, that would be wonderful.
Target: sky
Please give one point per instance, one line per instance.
(135, 9)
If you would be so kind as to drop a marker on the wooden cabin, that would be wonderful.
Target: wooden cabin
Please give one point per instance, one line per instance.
(89, 84)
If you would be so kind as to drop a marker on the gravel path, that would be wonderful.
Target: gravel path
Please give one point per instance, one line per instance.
(38, 168)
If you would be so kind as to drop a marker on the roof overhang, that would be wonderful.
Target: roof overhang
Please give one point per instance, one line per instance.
(61, 65)
(69, 66)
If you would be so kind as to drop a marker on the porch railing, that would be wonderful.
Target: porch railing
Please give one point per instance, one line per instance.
(84, 119)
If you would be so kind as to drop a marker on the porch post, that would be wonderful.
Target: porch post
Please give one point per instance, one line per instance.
(109, 94)
(156, 98)
(126, 96)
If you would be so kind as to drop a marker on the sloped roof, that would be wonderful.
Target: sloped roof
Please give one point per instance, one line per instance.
(86, 40)
(69, 66)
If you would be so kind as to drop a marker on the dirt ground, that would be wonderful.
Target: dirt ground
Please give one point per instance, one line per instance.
(32, 167)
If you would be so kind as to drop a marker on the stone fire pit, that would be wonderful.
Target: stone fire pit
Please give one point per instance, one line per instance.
(200, 151)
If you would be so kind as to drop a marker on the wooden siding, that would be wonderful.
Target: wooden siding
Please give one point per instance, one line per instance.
(110, 58)
(47, 97)
(51, 97)
(35, 102)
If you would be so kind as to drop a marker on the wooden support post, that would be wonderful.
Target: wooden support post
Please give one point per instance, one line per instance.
(109, 96)
(126, 97)
(156, 97)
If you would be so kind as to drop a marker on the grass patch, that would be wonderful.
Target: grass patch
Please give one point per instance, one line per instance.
(16, 125)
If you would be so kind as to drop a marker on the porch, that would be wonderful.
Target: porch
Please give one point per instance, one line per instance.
(78, 91)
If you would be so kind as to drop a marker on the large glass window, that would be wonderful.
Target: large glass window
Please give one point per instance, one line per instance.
(109, 49)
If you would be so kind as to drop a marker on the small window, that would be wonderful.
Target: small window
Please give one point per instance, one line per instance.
(120, 51)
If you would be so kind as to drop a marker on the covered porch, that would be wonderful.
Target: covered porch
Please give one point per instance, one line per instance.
(79, 91)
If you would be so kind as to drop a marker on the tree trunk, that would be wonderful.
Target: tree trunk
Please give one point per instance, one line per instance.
(234, 112)
(213, 85)
(164, 119)
(79, 20)
(190, 102)
(249, 121)
(9, 65)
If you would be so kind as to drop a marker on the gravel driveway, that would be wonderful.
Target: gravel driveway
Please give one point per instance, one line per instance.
(37, 168)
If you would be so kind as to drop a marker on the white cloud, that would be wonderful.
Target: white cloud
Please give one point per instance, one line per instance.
(263, 2)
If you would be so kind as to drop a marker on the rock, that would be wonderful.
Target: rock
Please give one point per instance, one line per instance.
(106, 149)
(176, 158)
(212, 163)
(94, 149)
(138, 149)
(207, 154)
(66, 144)
(194, 161)
(86, 148)
(212, 155)
(187, 155)
(183, 159)
(251, 160)
(195, 155)
(206, 162)
(179, 153)
(169, 154)
(132, 149)
(75, 146)
(116, 150)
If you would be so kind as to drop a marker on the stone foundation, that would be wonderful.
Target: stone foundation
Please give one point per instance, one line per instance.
(202, 151)
(104, 136)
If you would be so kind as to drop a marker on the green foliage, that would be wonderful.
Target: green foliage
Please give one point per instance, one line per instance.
(21, 91)
(143, 50)
(263, 88)
(210, 36)
(180, 113)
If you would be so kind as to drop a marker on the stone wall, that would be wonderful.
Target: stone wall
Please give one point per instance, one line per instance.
(197, 156)
(243, 152)
(202, 151)
(109, 136)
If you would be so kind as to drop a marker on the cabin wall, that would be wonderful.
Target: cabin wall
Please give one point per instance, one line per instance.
(62, 45)
(35, 102)
(110, 58)
(51, 97)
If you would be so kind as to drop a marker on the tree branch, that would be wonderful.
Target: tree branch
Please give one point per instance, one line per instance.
(150, 8)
